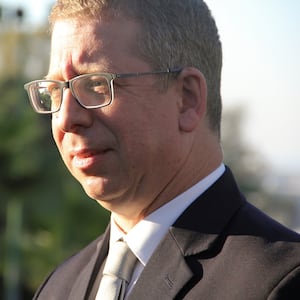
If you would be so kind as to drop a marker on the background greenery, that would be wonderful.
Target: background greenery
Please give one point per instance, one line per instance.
(44, 214)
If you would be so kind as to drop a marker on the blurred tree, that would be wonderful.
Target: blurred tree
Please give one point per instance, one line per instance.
(19, 138)
(42, 208)
(250, 168)
(46, 206)
(246, 162)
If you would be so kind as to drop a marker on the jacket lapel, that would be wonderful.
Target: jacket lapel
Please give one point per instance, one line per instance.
(194, 235)
(84, 283)
(162, 280)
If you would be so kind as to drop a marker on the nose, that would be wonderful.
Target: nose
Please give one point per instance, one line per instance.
(71, 115)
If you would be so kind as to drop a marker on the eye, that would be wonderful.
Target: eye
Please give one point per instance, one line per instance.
(96, 84)
(53, 89)
(91, 90)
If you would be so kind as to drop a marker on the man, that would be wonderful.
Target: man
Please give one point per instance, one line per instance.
(134, 91)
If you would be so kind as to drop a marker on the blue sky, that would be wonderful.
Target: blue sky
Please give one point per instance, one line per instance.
(261, 45)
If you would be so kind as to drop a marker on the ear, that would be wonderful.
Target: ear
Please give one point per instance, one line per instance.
(193, 98)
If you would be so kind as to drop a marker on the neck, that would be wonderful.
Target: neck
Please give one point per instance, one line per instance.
(204, 157)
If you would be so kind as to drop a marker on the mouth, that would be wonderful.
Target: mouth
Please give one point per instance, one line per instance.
(87, 159)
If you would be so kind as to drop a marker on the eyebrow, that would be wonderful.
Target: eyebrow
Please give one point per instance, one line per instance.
(49, 76)
(78, 72)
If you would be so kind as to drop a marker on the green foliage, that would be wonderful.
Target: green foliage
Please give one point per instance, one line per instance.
(19, 135)
(57, 218)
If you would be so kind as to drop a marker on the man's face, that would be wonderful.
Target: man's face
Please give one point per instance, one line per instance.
(124, 154)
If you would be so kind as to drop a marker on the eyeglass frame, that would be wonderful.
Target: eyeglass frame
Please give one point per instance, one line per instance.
(110, 77)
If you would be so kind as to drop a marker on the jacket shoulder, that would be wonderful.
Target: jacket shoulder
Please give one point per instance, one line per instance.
(61, 280)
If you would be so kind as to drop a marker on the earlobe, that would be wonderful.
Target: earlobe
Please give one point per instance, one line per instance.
(193, 101)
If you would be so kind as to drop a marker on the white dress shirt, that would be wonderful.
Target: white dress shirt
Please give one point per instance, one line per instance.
(145, 236)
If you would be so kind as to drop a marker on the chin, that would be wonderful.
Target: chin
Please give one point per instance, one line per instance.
(99, 189)
(93, 187)
(97, 195)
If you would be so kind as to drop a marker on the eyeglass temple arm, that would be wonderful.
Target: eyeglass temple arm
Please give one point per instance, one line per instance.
(124, 75)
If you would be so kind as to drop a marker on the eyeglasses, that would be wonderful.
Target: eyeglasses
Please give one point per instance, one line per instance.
(90, 90)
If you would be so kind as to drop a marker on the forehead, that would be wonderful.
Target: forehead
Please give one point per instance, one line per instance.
(101, 45)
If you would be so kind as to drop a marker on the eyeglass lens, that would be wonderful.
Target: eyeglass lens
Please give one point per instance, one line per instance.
(90, 91)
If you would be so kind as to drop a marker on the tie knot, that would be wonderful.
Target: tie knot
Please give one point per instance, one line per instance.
(120, 261)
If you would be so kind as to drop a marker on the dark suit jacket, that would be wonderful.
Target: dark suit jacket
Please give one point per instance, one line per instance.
(221, 247)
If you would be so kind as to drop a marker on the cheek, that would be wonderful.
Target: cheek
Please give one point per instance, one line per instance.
(145, 138)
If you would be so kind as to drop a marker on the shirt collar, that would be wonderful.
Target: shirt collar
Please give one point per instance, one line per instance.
(145, 236)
